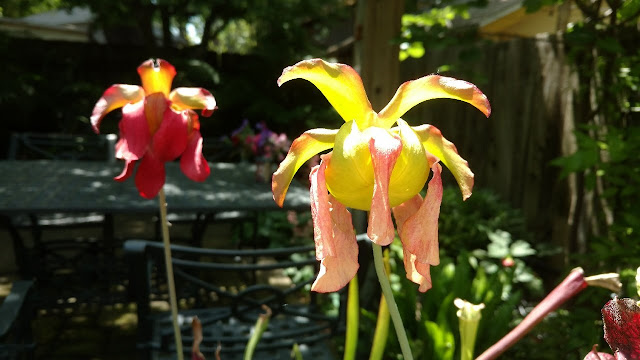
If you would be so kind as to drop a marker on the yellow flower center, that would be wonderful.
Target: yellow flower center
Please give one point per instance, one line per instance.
(350, 173)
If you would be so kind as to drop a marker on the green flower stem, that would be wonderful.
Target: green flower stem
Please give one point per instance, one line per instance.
(164, 224)
(353, 317)
(391, 303)
(261, 325)
(382, 324)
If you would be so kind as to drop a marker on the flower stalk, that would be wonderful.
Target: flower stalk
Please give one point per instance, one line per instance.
(573, 284)
(353, 317)
(173, 302)
(382, 324)
(391, 303)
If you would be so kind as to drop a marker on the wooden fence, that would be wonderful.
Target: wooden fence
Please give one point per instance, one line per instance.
(531, 91)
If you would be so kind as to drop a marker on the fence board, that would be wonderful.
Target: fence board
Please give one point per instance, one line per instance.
(529, 87)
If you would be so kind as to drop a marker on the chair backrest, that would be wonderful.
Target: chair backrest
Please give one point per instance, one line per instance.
(35, 146)
(230, 287)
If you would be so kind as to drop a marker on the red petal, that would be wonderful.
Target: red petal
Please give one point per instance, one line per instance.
(170, 141)
(150, 176)
(419, 233)
(127, 171)
(384, 153)
(134, 132)
(192, 162)
(622, 327)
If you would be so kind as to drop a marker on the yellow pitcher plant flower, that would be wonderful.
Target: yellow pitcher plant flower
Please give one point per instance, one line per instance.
(377, 167)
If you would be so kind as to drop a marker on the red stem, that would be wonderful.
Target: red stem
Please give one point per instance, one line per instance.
(569, 287)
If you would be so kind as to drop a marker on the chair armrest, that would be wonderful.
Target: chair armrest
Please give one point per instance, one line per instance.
(12, 305)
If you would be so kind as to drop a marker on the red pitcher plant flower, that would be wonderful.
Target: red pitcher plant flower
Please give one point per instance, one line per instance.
(376, 168)
(158, 125)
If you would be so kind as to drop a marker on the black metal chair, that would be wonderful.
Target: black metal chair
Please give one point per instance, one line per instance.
(226, 289)
(16, 313)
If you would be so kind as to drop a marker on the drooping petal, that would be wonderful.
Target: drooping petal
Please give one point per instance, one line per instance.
(302, 149)
(156, 76)
(192, 162)
(150, 176)
(126, 171)
(113, 98)
(446, 151)
(419, 232)
(411, 93)
(385, 150)
(170, 141)
(337, 270)
(184, 98)
(321, 211)
(334, 235)
(339, 83)
(134, 132)
(417, 272)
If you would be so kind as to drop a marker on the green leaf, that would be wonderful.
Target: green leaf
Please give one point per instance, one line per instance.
(443, 341)
(521, 248)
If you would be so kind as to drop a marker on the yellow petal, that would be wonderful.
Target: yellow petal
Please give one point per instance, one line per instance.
(193, 98)
(113, 98)
(411, 93)
(339, 83)
(156, 76)
(302, 149)
(446, 151)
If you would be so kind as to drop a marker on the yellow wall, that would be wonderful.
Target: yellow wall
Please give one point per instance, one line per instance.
(521, 24)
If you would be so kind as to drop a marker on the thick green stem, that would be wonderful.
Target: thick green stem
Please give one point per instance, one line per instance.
(353, 319)
(391, 303)
(164, 225)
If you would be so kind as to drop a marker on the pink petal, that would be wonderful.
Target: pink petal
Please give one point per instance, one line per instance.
(419, 233)
(127, 171)
(170, 141)
(335, 237)
(595, 355)
(113, 98)
(337, 270)
(417, 272)
(150, 176)
(134, 132)
(192, 162)
(384, 153)
(321, 211)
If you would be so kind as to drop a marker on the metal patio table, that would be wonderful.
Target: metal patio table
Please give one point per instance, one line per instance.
(49, 186)
(41, 187)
